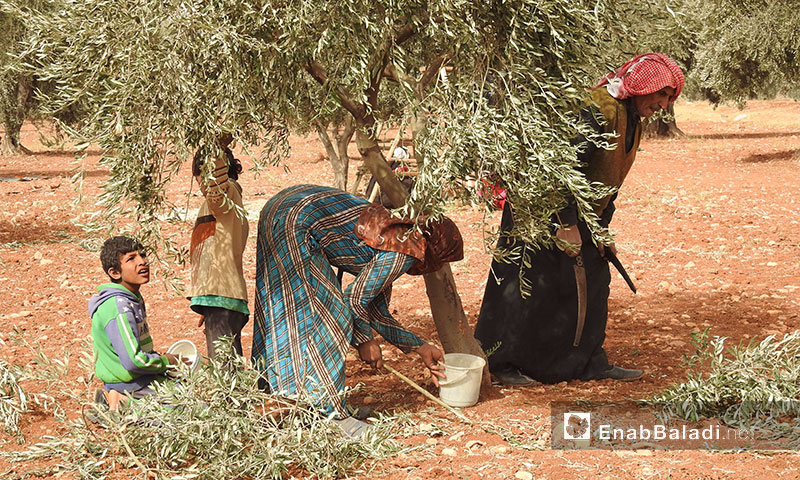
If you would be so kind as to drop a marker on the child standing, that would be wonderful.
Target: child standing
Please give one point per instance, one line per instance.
(123, 350)
(218, 291)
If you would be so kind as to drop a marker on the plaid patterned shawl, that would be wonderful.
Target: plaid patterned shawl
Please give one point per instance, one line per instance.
(303, 320)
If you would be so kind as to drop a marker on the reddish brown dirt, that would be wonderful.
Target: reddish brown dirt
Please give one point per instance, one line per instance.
(707, 224)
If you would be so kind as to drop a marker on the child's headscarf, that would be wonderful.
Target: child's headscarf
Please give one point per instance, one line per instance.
(643, 75)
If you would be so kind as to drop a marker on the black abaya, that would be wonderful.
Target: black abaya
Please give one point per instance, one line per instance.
(536, 333)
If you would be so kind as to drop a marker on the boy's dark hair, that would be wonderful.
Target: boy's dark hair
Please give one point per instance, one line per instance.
(235, 167)
(116, 247)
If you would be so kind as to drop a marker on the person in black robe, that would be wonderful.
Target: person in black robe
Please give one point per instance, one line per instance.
(532, 338)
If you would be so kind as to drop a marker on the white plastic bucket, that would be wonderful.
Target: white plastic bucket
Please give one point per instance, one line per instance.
(187, 350)
(463, 383)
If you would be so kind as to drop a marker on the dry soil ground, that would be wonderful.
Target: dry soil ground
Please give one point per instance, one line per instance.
(708, 225)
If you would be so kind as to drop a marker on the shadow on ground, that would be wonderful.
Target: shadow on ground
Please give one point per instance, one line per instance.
(38, 232)
(735, 136)
(772, 157)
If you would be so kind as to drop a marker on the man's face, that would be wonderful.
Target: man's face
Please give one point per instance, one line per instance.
(134, 271)
(647, 105)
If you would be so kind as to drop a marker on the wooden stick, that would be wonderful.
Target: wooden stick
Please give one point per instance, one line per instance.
(376, 189)
(421, 390)
(396, 140)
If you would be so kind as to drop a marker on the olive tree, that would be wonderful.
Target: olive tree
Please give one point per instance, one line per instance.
(747, 49)
(318, 113)
(19, 86)
(492, 90)
(15, 87)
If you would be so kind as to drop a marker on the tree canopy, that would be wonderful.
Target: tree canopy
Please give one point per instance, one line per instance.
(498, 82)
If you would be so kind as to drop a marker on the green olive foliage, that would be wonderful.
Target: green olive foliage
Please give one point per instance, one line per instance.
(158, 78)
(747, 49)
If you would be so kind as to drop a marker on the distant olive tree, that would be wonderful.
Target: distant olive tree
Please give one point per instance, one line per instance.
(491, 88)
(16, 88)
(747, 49)
(21, 88)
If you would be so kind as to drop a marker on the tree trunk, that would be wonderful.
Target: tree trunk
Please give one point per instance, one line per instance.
(337, 154)
(448, 312)
(664, 129)
(376, 163)
(343, 136)
(419, 121)
(339, 165)
(14, 116)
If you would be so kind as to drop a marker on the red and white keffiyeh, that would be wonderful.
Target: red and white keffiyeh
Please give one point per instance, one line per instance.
(643, 75)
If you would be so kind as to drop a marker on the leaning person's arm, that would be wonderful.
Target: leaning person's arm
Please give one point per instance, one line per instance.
(389, 328)
(369, 295)
(123, 334)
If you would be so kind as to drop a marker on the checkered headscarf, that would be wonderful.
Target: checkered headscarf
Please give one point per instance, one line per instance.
(643, 75)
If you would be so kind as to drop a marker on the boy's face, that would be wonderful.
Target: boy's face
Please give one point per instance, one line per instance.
(134, 271)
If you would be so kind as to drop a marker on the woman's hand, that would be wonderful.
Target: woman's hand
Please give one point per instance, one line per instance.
(431, 357)
(370, 352)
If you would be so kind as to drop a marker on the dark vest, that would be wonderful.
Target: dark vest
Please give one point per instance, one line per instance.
(610, 167)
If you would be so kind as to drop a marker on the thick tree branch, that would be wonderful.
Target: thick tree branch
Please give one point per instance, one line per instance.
(404, 33)
(318, 72)
(418, 85)
(391, 72)
(431, 71)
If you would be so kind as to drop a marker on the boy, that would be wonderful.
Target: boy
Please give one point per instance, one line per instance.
(123, 350)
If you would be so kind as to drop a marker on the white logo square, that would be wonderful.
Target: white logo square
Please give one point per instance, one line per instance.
(577, 425)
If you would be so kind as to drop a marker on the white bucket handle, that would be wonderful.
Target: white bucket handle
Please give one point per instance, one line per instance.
(456, 378)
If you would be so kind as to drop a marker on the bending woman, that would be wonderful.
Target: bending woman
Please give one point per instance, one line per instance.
(534, 336)
(303, 319)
